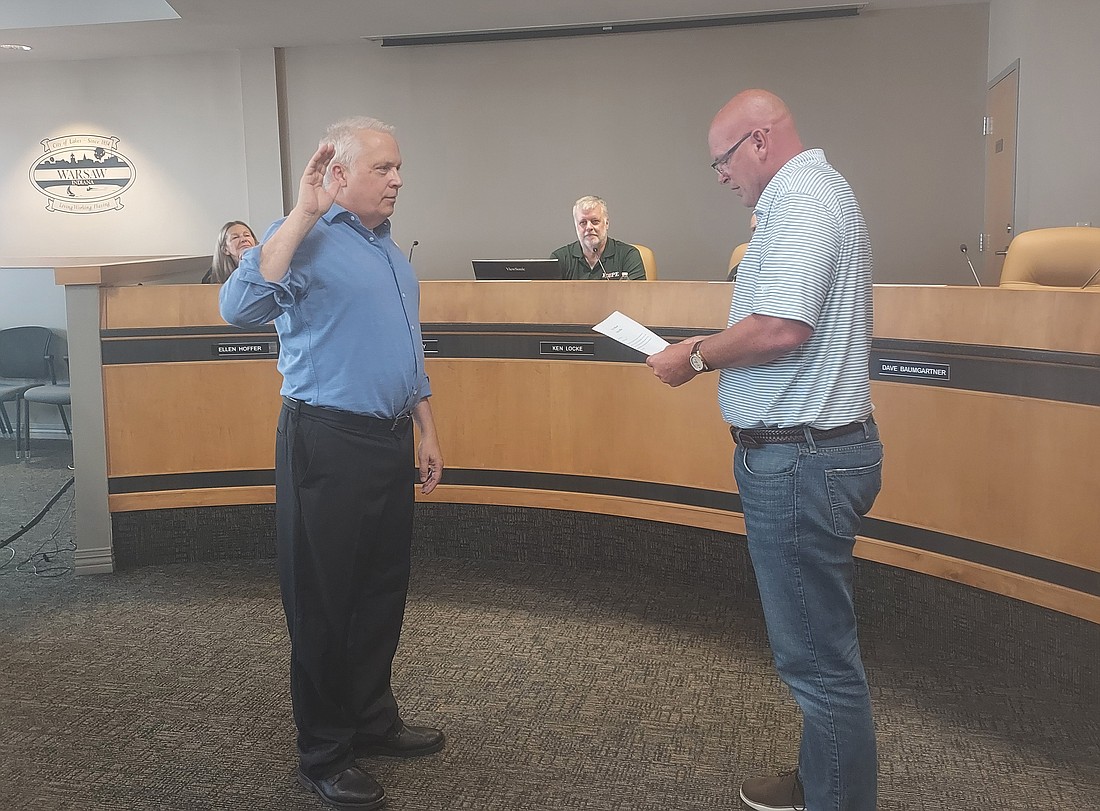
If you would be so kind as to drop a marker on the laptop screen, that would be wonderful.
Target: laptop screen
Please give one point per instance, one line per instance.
(516, 269)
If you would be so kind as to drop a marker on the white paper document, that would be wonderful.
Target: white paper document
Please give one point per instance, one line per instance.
(626, 330)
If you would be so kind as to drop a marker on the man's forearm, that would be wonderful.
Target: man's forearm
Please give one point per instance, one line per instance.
(422, 416)
(277, 252)
(753, 341)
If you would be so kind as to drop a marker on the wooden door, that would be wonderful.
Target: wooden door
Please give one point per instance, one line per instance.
(1002, 105)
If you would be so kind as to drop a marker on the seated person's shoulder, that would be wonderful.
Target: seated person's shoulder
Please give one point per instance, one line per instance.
(630, 260)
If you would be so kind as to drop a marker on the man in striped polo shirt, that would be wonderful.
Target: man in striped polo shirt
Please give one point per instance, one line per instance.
(794, 388)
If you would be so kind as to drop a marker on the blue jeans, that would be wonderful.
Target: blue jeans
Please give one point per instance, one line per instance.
(803, 503)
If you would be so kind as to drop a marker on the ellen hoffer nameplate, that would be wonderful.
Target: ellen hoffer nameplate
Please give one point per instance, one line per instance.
(233, 350)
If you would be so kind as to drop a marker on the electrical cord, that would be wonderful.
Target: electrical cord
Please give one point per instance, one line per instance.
(42, 555)
(48, 556)
(41, 513)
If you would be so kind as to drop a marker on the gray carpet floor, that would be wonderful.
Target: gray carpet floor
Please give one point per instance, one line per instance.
(560, 687)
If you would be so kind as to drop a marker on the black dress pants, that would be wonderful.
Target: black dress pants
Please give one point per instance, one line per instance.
(343, 516)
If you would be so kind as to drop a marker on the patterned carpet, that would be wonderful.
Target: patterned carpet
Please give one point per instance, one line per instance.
(570, 685)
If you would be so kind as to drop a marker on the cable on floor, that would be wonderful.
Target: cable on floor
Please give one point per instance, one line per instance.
(33, 563)
(41, 513)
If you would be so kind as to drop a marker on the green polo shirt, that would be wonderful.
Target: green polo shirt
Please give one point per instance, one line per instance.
(619, 260)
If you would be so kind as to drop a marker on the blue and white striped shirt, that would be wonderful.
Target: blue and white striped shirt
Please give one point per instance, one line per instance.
(810, 261)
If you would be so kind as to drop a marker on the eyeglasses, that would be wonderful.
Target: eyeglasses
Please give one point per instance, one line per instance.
(719, 166)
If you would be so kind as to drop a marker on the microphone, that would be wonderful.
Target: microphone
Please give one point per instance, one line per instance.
(603, 270)
(962, 248)
(1093, 276)
(411, 247)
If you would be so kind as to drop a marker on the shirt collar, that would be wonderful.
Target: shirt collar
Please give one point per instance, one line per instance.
(337, 213)
(770, 192)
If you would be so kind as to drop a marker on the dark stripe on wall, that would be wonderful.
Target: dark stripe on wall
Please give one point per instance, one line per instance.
(1068, 377)
(184, 349)
(493, 328)
(551, 329)
(595, 485)
(996, 557)
(952, 546)
(496, 341)
(1059, 376)
(986, 351)
(220, 329)
(167, 482)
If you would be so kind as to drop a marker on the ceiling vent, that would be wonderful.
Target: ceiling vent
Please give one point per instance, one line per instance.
(621, 27)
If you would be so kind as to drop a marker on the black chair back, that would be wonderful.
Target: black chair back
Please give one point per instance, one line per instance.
(25, 353)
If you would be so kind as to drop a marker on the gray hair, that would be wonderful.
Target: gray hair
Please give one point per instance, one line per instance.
(590, 201)
(344, 136)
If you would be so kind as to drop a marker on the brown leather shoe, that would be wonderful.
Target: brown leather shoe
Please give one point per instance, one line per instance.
(781, 793)
(402, 741)
(351, 789)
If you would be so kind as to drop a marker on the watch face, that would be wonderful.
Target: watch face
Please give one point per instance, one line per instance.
(696, 361)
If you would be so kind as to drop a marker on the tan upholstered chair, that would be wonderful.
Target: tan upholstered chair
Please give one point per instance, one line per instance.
(1067, 258)
(735, 259)
(648, 262)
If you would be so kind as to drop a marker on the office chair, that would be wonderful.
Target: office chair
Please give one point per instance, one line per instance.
(58, 394)
(648, 262)
(24, 363)
(5, 422)
(1067, 258)
(735, 260)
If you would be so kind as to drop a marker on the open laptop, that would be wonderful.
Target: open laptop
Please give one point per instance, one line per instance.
(497, 270)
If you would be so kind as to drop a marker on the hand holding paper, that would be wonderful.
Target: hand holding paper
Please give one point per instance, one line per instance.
(629, 332)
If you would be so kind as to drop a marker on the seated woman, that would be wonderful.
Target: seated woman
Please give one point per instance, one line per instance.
(233, 240)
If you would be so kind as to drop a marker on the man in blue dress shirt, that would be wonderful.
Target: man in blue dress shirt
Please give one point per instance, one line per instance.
(345, 303)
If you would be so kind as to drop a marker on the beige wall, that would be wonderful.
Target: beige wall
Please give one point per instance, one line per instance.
(184, 122)
(29, 296)
(500, 138)
(1058, 162)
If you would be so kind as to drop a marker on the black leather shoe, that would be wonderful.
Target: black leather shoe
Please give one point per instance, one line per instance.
(403, 741)
(352, 788)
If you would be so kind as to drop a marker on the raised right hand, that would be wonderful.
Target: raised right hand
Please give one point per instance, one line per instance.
(313, 198)
(277, 251)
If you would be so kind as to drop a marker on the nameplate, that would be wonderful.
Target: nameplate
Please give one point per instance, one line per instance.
(431, 346)
(916, 369)
(567, 348)
(246, 349)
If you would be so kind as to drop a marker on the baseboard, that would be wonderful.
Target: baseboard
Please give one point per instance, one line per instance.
(48, 432)
(94, 561)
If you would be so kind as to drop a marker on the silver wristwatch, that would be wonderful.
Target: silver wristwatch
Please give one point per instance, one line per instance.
(698, 363)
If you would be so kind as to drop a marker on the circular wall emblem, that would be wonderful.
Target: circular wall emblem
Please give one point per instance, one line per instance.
(82, 174)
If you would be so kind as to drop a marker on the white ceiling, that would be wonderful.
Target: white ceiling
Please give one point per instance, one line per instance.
(67, 29)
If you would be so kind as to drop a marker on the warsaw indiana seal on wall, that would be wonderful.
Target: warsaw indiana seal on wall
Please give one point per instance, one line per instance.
(82, 174)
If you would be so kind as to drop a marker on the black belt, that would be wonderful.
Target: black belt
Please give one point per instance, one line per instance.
(349, 419)
(756, 437)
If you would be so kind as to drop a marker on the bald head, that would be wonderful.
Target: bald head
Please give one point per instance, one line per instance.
(770, 140)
